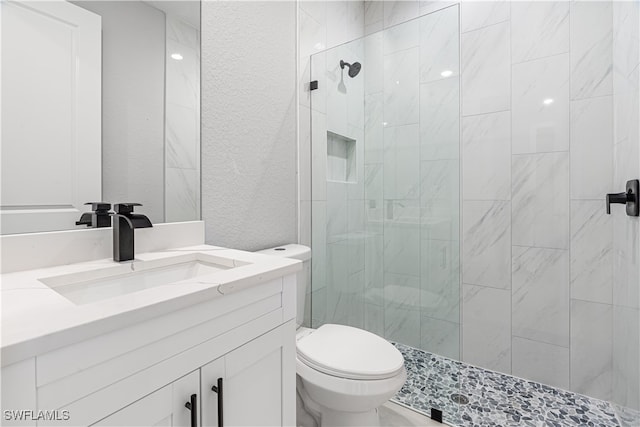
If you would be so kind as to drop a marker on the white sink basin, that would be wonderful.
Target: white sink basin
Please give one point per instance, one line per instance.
(121, 279)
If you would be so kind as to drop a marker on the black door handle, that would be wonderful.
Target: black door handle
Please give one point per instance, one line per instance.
(192, 405)
(629, 198)
(218, 389)
(615, 198)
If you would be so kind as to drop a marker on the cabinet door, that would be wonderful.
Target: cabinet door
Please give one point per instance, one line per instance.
(256, 377)
(164, 407)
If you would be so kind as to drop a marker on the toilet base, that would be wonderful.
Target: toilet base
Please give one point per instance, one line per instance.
(312, 414)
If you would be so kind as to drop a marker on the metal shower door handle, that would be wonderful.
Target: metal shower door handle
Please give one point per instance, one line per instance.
(628, 198)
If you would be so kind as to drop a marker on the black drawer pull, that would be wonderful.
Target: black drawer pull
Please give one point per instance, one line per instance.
(193, 407)
(218, 389)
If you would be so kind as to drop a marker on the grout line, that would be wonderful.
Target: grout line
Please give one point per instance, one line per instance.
(485, 286)
(539, 153)
(486, 26)
(511, 190)
(569, 127)
(539, 247)
(592, 302)
(485, 113)
(464, 200)
(540, 341)
(540, 58)
(586, 98)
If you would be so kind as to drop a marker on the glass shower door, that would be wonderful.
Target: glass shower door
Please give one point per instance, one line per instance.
(386, 194)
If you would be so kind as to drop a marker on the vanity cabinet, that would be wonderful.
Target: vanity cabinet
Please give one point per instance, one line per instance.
(249, 386)
(144, 374)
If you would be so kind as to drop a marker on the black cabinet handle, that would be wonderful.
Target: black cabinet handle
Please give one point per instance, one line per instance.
(218, 389)
(192, 405)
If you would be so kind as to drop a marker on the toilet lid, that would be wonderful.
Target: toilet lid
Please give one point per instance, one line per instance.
(347, 352)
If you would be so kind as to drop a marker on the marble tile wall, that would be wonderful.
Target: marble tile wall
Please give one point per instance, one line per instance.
(182, 125)
(549, 106)
(549, 101)
(487, 184)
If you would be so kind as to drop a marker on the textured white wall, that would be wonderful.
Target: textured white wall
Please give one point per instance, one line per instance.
(249, 191)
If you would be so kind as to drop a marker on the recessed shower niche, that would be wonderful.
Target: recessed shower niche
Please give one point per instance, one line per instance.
(341, 158)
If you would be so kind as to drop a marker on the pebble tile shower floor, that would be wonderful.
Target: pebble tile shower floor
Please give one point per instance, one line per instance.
(496, 399)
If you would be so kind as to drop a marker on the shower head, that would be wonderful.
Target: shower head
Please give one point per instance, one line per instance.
(354, 68)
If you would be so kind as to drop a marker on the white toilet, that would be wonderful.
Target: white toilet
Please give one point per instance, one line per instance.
(343, 373)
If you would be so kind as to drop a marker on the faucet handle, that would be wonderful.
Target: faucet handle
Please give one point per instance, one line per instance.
(99, 206)
(125, 208)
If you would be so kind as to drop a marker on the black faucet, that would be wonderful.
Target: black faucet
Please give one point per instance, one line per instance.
(124, 222)
(100, 217)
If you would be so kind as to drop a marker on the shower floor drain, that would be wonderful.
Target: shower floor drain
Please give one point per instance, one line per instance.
(459, 399)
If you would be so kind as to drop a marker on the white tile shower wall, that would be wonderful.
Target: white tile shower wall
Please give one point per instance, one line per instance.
(540, 204)
(486, 154)
(549, 127)
(478, 14)
(539, 29)
(486, 236)
(557, 158)
(486, 76)
(540, 105)
(486, 327)
(591, 49)
(591, 147)
(541, 362)
(591, 252)
(591, 346)
(540, 294)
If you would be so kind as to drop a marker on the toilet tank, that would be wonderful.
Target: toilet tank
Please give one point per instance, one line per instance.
(303, 253)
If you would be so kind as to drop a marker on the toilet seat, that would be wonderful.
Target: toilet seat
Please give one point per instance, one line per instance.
(349, 353)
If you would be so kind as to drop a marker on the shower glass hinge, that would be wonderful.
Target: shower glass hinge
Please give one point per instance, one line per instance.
(436, 415)
(313, 85)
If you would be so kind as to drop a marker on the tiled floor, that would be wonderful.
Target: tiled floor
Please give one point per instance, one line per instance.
(496, 399)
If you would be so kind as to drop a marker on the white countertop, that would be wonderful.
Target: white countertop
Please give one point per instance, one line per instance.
(36, 318)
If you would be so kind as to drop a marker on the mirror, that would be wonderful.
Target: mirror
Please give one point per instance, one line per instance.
(100, 100)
